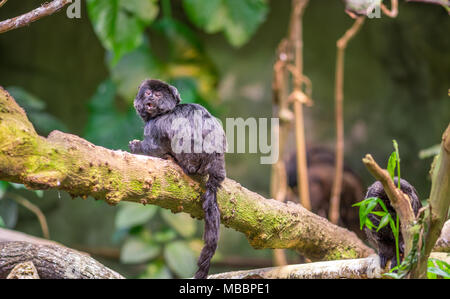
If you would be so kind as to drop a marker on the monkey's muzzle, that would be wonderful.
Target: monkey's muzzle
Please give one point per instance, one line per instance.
(149, 107)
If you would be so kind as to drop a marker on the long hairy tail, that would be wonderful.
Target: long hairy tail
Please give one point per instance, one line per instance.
(212, 225)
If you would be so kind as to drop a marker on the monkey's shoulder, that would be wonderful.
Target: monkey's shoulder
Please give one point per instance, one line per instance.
(190, 109)
(168, 124)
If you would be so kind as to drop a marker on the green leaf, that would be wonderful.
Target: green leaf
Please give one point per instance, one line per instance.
(120, 24)
(362, 216)
(381, 203)
(39, 193)
(369, 223)
(188, 67)
(440, 272)
(370, 206)
(238, 19)
(181, 222)
(363, 202)
(398, 161)
(146, 10)
(108, 125)
(393, 226)
(384, 221)
(132, 214)
(9, 212)
(430, 152)
(18, 186)
(136, 251)
(180, 259)
(132, 69)
(25, 99)
(379, 213)
(164, 236)
(438, 267)
(392, 163)
(3, 187)
(156, 270)
(35, 108)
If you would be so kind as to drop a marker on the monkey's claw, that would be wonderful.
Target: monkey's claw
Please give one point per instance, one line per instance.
(134, 146)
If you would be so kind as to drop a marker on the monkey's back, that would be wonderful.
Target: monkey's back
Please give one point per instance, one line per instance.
(193, 137)
(384, 240)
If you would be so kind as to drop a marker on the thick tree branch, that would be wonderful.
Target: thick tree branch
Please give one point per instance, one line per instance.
(354, 268)
(364, 268)
(7, 235)
(67, 162)
(46, 9)
(443, 243)
(52, 261)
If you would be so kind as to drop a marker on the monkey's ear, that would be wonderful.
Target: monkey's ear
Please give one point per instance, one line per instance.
(175, 93)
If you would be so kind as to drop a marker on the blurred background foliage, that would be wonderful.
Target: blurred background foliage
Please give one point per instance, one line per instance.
(81, 76)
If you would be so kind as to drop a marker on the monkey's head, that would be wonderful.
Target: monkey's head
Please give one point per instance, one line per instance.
(376, 190)
(154, 98)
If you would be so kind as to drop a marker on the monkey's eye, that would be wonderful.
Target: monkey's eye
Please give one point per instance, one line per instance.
(148, 92)
(158, 94)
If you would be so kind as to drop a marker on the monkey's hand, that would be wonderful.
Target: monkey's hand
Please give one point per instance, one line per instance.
(135, 146)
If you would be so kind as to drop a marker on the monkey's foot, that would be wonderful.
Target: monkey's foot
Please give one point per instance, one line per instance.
(135, 146)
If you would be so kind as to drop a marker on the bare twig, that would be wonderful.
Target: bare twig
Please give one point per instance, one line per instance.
(35, 210)
(341, 44)
(296, 40)
(3, 2)
(393, 12)
(46, 9)
(288, 50)
(278, 183)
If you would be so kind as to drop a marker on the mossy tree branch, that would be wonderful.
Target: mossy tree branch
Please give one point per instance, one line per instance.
(67, 162)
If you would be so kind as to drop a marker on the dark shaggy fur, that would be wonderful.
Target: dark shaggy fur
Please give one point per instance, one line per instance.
(158, 105)
(384, 240)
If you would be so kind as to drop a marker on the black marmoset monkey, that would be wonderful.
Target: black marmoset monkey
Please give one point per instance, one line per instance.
(321, 162)
(190, 135)
(383, 240)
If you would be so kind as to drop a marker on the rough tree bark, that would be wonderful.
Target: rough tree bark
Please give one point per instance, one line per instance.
(66, 162)
(363, 268)
(52, 261)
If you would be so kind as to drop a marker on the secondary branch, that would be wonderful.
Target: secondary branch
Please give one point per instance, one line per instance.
(46, 9)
